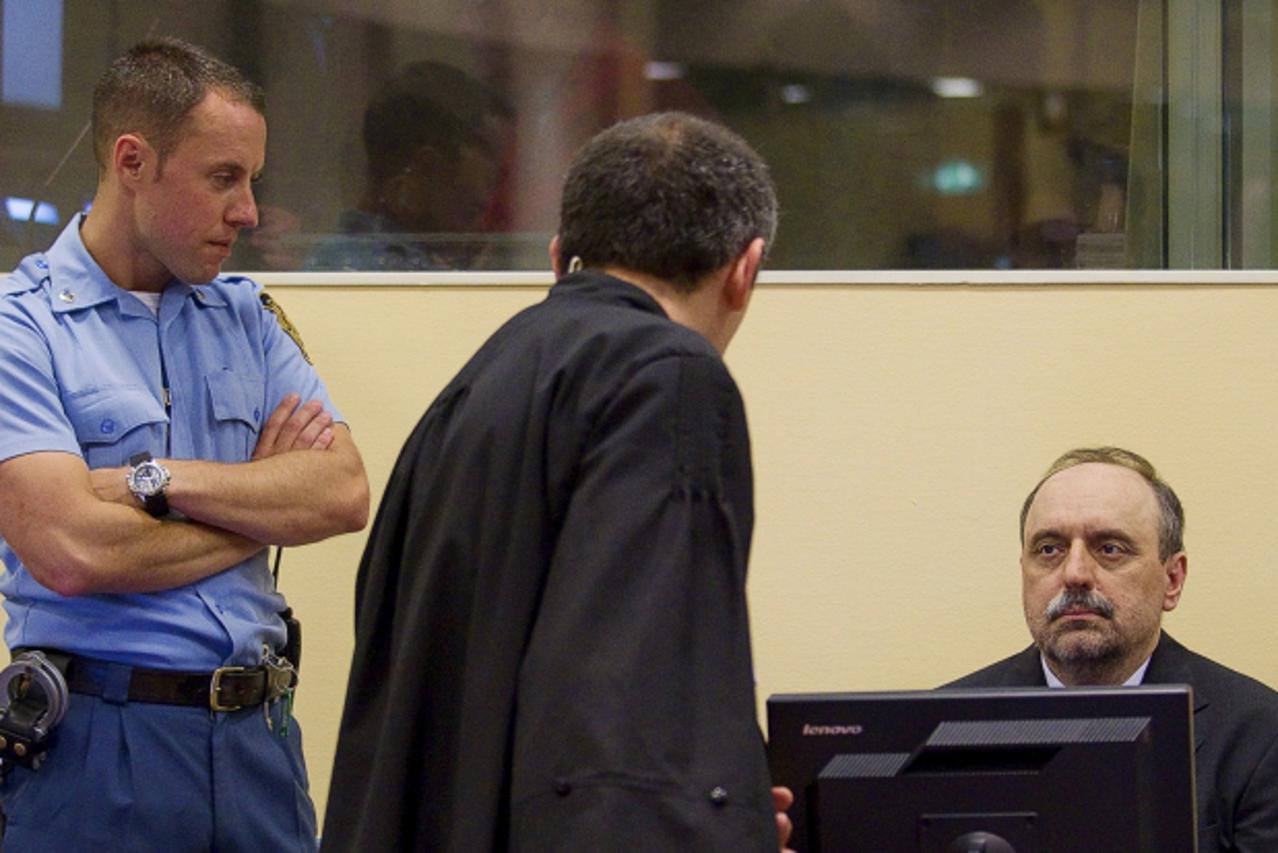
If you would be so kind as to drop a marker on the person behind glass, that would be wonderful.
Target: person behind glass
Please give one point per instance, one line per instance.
(1102, 559)
(159, 426)
(434, 137)
(552, 648)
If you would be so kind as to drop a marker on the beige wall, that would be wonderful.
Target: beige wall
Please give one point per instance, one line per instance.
(896, 430)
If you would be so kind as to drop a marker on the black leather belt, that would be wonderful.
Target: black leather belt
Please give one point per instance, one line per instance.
(227, 688)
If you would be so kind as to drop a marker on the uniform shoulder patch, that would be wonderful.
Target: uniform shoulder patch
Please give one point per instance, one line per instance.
(285, 323)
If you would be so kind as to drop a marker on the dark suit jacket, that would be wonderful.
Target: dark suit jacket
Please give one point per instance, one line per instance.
(1235, 735)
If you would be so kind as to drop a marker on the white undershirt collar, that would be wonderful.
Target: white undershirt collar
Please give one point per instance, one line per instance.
(1052, 681)
(149, 299)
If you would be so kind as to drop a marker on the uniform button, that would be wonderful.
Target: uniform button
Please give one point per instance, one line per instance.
(199, 294)
(107, 426)
(719, 795)
(67, 296)
(42, 265)
(563, 788)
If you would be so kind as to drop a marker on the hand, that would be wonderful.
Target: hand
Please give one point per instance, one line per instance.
(110, 486)
(782, 799)
(294, 427)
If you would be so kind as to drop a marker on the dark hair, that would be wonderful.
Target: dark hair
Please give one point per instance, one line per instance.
(152, 89)
(429, 103)
(1171, 532)
(666, 194)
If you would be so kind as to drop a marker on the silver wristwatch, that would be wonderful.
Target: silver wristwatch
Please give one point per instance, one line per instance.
(147, 480)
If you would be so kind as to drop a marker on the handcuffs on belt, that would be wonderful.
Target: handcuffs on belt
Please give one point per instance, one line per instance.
(34, 695)
(33, 699)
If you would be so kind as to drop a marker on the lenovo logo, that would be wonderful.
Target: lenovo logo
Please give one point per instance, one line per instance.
(810, 730)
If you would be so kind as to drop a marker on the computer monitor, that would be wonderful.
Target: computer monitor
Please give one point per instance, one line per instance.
(1029, 770)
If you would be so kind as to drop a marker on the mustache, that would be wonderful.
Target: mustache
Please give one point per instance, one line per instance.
(1071, 599)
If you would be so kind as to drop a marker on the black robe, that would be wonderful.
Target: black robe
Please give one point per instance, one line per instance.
(552, 648)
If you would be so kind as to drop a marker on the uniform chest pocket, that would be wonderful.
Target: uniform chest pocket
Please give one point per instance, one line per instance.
(236, 405)
(113, 423)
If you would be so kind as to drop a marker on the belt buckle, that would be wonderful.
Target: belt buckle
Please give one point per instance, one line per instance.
(215, 685)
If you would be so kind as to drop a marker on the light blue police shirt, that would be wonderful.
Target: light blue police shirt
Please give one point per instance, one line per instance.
(83, 368)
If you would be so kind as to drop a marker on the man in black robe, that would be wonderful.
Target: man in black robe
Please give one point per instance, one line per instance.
(552, 645)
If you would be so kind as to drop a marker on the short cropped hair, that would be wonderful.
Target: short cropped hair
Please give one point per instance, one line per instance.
(1171, 531)
(666, 194)
(152, 88)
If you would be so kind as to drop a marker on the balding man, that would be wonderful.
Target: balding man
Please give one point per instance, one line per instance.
(1102, 559)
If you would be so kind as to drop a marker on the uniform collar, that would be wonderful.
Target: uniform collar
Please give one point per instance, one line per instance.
(76, 281)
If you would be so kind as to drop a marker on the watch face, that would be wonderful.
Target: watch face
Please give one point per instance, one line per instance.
(147, 479)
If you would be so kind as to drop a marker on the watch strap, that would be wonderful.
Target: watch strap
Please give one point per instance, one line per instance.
(156, 505)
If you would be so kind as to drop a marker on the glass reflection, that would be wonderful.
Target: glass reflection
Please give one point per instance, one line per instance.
(423, 137)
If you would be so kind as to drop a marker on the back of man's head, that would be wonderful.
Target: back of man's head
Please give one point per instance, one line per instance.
(668, 195)
(1171, 527)
(152, 88)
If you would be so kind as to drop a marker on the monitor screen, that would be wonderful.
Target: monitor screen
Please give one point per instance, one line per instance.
(998, 770)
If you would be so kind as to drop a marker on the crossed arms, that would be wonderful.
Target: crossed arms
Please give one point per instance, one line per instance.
(79, 531)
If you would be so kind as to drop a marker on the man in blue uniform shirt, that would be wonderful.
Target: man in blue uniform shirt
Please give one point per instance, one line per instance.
(153, 442)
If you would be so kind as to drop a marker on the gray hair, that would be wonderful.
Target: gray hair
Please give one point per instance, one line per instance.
(1171, 526)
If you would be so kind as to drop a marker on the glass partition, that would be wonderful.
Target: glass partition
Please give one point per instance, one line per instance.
(903, 134)
(1250, 81)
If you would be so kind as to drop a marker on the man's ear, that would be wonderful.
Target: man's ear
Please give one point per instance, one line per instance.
(1177, 568)
(741, 275)
(556, 265)
(132, 158)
